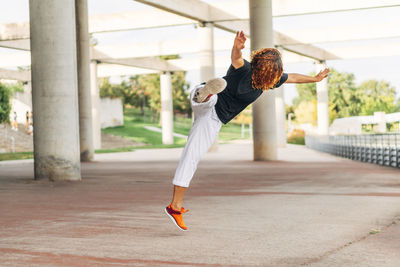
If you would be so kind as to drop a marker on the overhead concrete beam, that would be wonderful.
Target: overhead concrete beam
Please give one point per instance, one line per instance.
(23, 44)
(357, 31)
(308, 7)
(24, 76)
(193, 9)
(145, 63)
(285, 42)
(200, 11)
(133, 20)
(286, 8)
(376, 31)
(110, 70)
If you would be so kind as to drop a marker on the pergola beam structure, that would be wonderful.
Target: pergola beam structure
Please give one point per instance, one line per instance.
(151, 63)
(203, 12)
(346, 52)
(130, 20)
(366, 50)
(335, 34)
(106, 70)
(309, 7)
(305, 7)
(134, 20)
(126, 66)
(188, 9)
(23, 44)
(145, 63)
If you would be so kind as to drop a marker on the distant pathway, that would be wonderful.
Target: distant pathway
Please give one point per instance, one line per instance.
(156, 129)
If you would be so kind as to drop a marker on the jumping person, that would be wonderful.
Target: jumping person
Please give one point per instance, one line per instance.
(219, 101)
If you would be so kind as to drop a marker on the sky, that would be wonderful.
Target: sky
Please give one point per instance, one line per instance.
(380, 68)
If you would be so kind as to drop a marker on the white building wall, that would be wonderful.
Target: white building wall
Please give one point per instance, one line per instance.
(20, 108)
(21, 103)
(353, 125)
(111, 112)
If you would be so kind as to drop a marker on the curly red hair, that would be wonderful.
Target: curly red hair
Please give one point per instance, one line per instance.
(266, 64)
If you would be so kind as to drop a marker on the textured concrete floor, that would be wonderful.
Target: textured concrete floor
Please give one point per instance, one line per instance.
(308, 208)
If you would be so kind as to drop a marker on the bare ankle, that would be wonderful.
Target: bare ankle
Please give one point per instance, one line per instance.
(176, 206)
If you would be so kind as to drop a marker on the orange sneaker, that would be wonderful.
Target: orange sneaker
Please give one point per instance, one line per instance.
(176, 216)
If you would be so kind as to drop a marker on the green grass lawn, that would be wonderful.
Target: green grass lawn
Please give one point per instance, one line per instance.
(133, 129)
(134, 124)
(17, 155)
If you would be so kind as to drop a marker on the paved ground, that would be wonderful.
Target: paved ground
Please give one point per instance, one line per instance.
(307, 209)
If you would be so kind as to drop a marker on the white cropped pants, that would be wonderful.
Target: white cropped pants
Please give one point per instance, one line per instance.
(205, 129)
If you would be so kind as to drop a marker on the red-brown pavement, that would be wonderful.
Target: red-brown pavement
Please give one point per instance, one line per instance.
(308, 208)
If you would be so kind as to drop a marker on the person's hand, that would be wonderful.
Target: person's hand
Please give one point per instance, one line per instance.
(322, 75)
(240, 39)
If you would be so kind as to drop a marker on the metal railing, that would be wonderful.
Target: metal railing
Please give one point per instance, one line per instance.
(382, 149)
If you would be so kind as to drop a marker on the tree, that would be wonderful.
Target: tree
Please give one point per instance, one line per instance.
(180, 90)
(346, 99)
(5, 105)
(344, 96)
(6, 91)
(306, 112)
(307, 92)
(142, 91)
(377, 96)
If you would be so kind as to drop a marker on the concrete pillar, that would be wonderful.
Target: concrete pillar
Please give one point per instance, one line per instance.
(55, 90)
(167, 119)
(206, 39)
(83, 61)
(264, 117)
(380, 120)
(207, 64)
(95, 96)
(322, 103)
(280, 109)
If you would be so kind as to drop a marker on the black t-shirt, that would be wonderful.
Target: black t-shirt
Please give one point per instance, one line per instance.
(238, 93)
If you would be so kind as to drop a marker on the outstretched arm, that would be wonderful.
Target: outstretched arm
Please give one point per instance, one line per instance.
(238, 45)
(300, 78)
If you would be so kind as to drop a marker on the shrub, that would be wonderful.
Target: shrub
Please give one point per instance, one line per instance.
(5, 105)
(296, 137)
